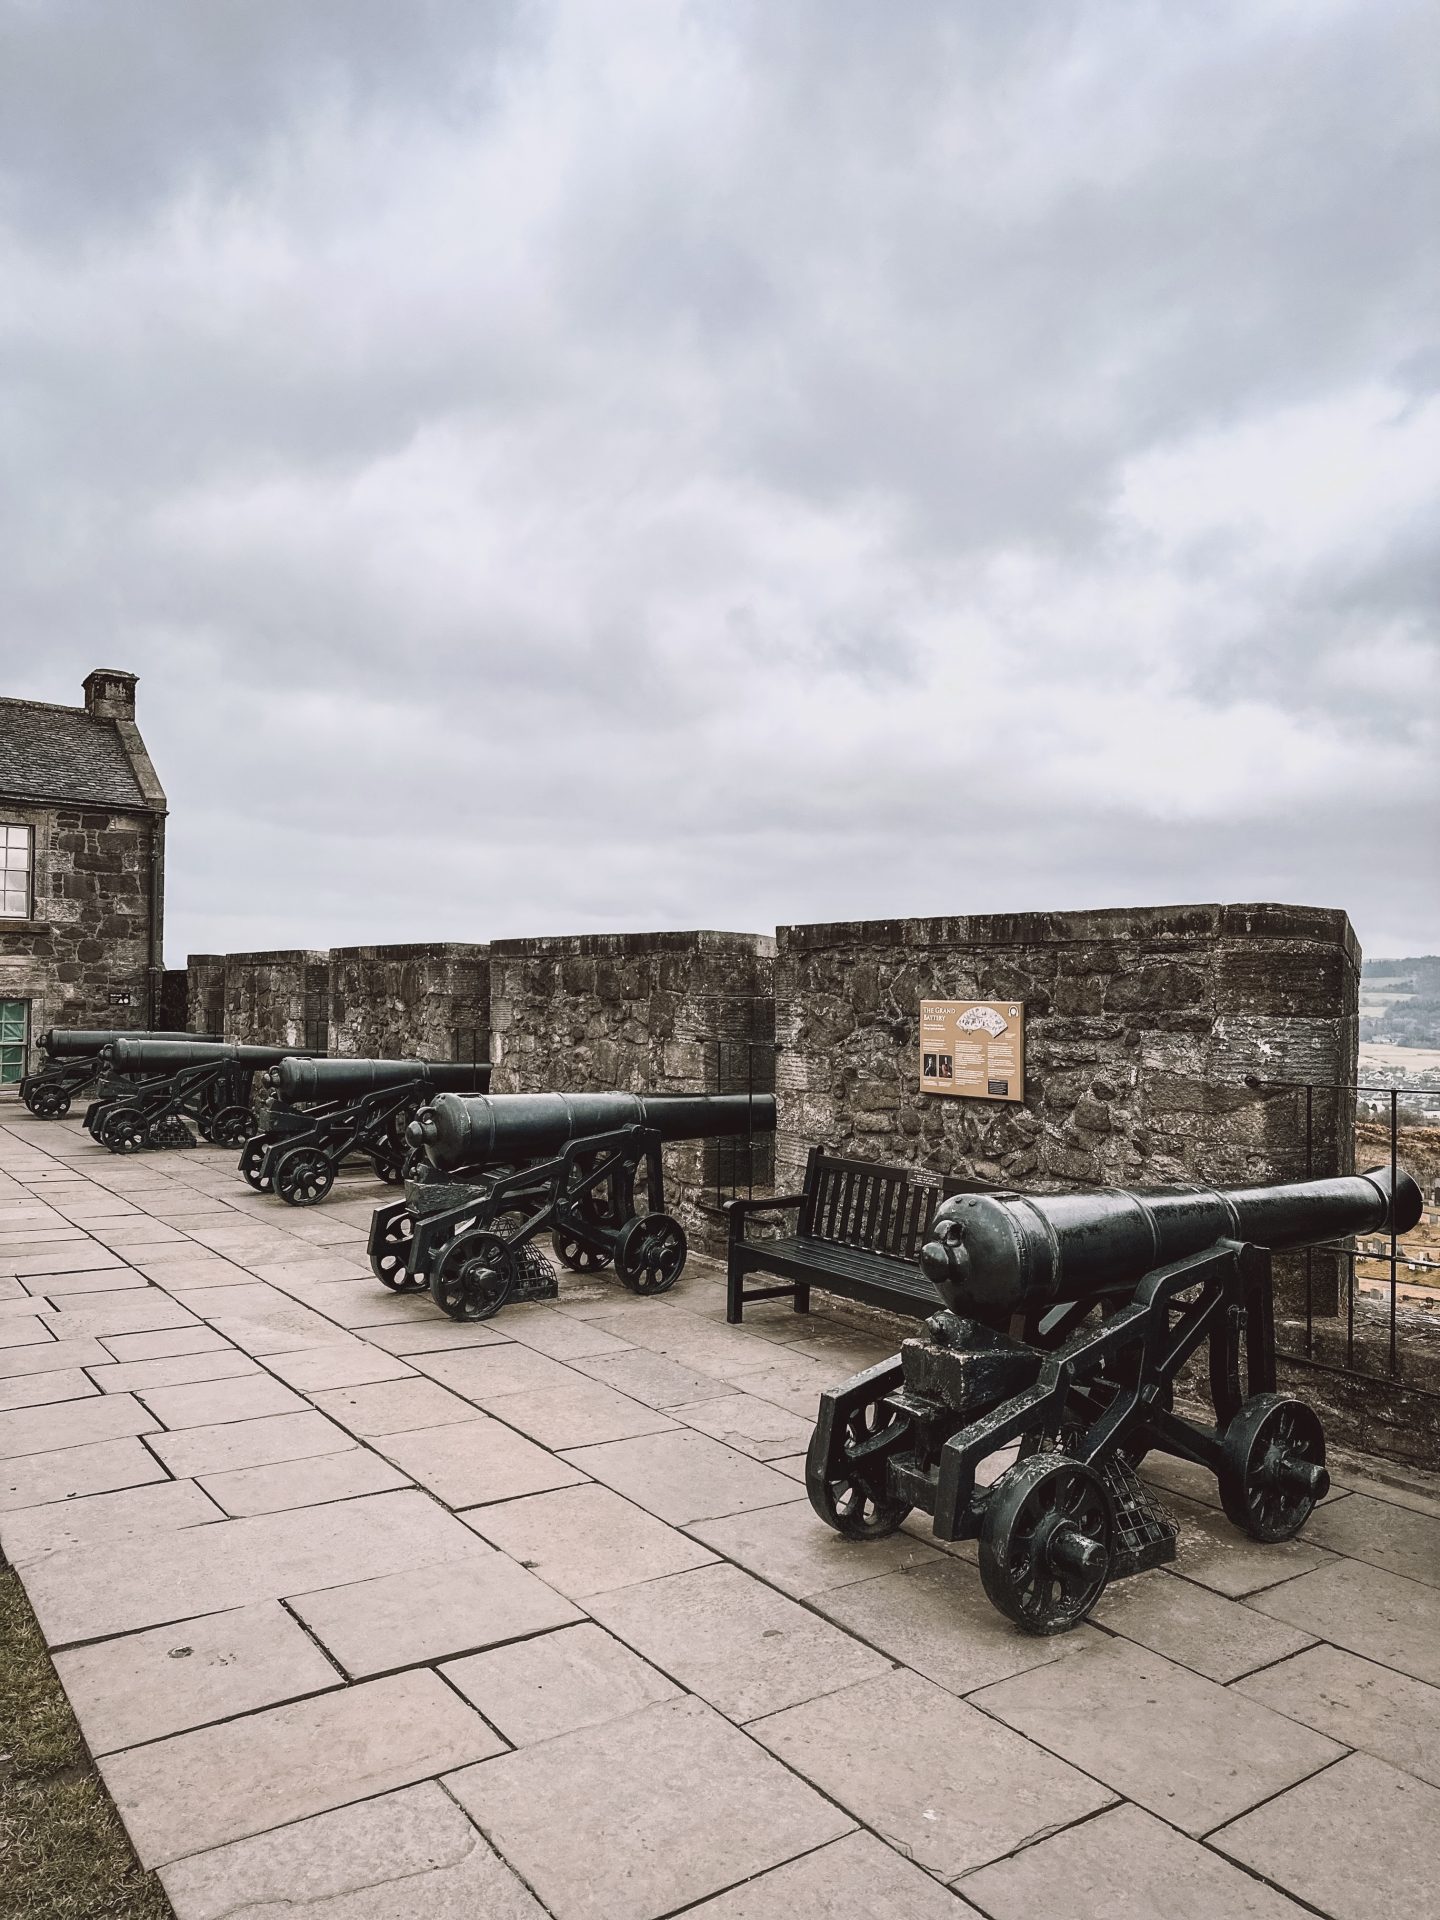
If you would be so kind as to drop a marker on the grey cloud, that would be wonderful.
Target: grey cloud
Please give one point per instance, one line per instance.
(557, 466)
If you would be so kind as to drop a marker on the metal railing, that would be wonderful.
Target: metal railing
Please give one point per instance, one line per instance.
(1394, 1253)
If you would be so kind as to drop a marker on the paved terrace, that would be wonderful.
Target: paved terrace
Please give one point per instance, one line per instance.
(365, 1614)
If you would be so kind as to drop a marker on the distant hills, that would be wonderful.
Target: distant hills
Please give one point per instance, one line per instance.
(1400, 1002)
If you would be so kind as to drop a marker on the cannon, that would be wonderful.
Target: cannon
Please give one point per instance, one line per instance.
(1067, 1319)
(162, 1082)
(323, 1113)
(74, 1057)
(499, 1169)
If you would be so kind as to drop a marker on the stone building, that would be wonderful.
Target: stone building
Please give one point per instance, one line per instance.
(82, 886)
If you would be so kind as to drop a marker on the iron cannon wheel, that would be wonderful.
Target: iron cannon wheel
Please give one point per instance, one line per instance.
(1045, 1543)
(389, 1167)
(650, 1253)
(472, 1276)
(390, 1263)
(577, 1254)
(252, 1163)
(124, 1130)
(1273, 1474)
(48, 1103)
(840, 1493)
(303, 1176)
(233, 1126)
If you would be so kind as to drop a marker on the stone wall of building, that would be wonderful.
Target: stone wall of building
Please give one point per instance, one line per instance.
(277, 999)
(423, 1002)
(82, 958)
(1143, 1029)
(657, 1012)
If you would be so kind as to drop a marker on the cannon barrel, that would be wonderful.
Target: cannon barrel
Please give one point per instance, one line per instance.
(298, 1080)
(489, 1129)
(81, 1043)
(171, 1056)
(1013, 1251)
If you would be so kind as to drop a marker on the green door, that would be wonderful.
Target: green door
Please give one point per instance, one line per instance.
(14, 1031)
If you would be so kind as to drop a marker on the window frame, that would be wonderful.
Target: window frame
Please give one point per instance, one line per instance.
(8, 827)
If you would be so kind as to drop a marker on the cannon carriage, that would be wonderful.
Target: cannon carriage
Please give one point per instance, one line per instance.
(75, 1057)
(161, 1085)
(499, 1170)
(1067, 1320)
(321, 1115)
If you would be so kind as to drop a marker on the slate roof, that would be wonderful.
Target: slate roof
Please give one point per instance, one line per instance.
(61, 753)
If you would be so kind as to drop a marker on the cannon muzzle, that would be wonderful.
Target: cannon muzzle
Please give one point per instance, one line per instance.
(1009, 1252)
(82, 1043)
(300, 1080)
(502, 1129)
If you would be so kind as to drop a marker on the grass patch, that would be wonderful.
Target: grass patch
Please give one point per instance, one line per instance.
(63, 1851)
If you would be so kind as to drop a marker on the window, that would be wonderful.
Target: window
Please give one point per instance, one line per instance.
(14, 1030)
(14, 874)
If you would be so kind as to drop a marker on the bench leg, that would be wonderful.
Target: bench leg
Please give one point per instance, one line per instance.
(734, 1295)
(802, 1298)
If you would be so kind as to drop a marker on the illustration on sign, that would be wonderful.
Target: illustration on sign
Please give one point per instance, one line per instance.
(975, 1048)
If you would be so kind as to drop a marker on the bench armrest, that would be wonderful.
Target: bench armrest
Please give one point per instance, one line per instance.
(737, 1210)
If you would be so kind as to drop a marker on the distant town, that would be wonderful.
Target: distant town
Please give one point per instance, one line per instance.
(1400, 1031)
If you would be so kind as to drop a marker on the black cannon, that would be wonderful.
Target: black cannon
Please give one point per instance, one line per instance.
(162, 1082)
(74, 1057)
(322, 1113)
(1067, 1320)
(500, 1169)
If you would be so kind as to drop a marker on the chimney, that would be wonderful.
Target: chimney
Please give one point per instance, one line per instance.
(110, 694)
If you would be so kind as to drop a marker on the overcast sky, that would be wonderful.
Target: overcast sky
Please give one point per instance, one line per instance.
(608, 465)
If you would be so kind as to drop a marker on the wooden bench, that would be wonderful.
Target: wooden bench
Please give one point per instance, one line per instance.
(858, 1231)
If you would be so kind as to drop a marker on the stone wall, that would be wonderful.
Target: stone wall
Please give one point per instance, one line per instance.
(659, 1012)
(82, 959)
(277, 999)
(1142, 1026)
(205, 993)
(422, 1002)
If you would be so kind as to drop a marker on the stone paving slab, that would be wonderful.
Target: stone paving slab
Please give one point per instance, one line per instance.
(146, 1686)
(784, 1546)
(1124, 1865)
(740, 1645)
(72, 1423)
(196, 1791)
(1194, 1626)
(174, 1370)
(684, 1476)
(92, 1591)
(470, 1601)
(554, 1683)
(216, 1402)
(654, 1484)
(932, 1776)
(1381, 1616)
(73, 1472)
(249, 1443)
(473, 1462)
(586, 1540)
(44, 1389)
(857, 1875)
(1378, 1532)
(393, 1406)
(1195, 1753)
(1357, 1842)
(630, 1847)
(314, 1481)
(1374, 1708)
(411, 1855)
